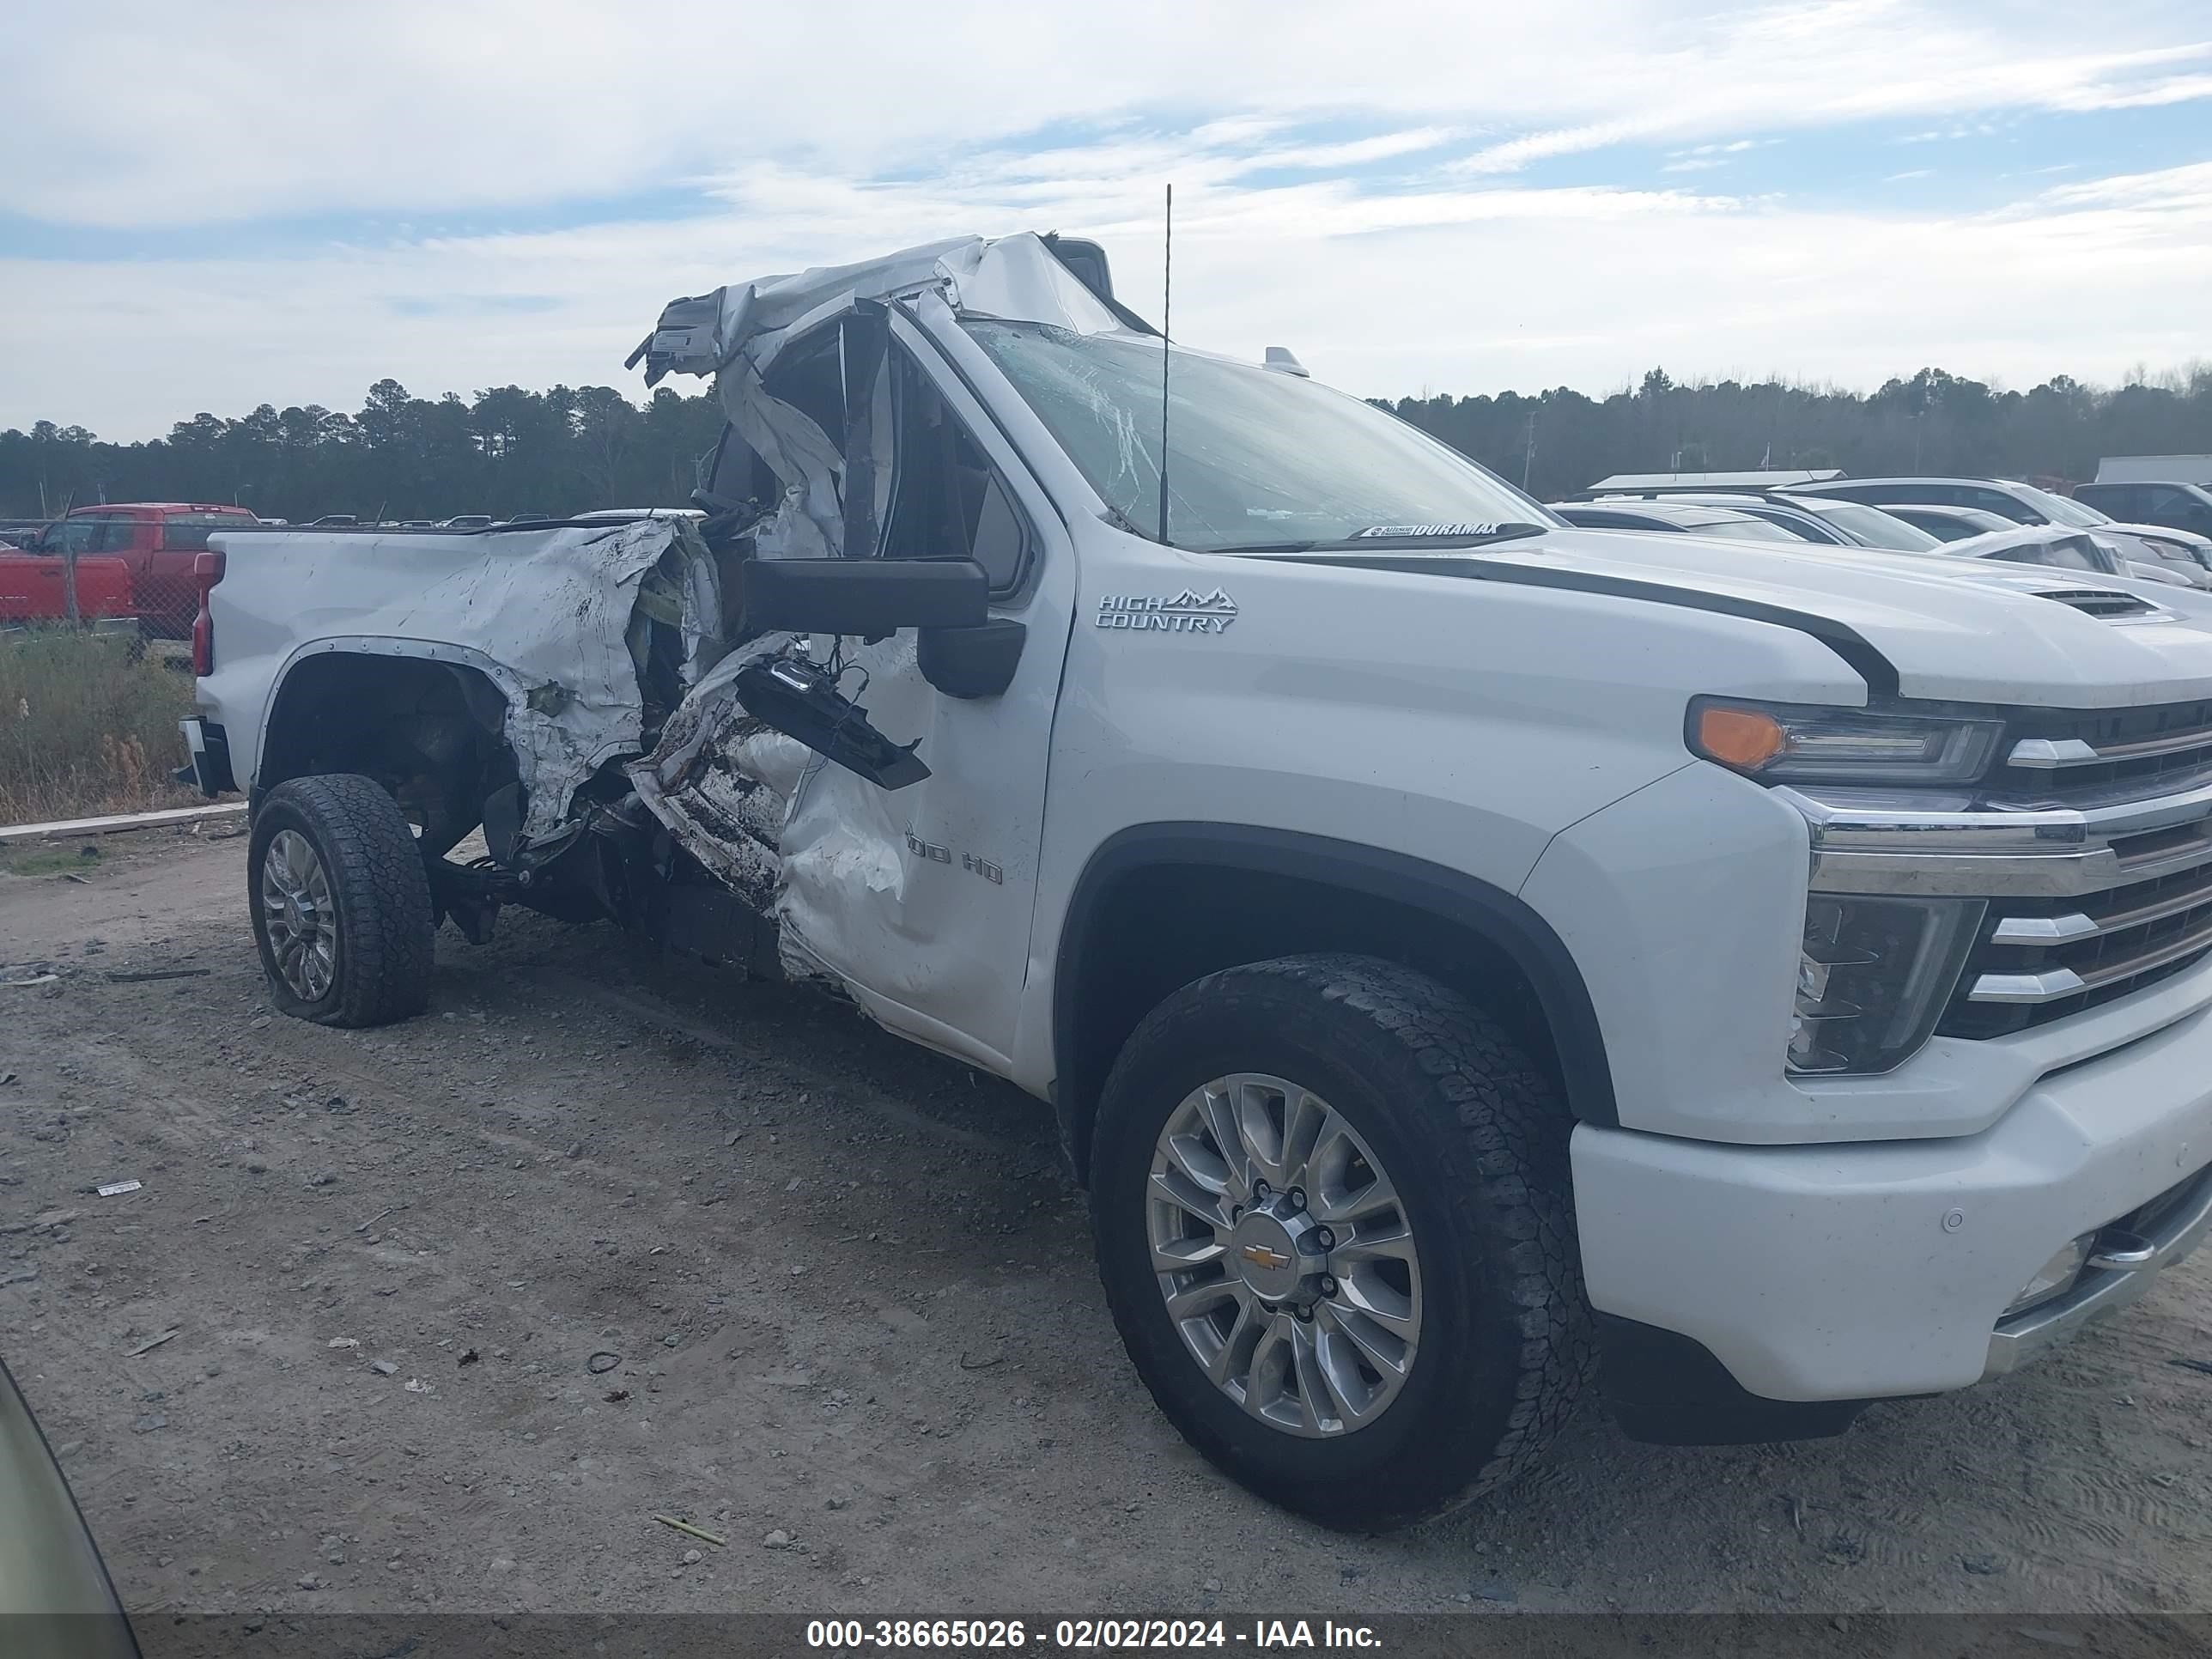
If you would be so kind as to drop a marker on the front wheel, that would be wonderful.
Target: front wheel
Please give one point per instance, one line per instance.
(1333, 1222)
(340, 902)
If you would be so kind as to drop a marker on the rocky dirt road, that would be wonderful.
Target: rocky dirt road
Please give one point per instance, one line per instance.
(460, 1306)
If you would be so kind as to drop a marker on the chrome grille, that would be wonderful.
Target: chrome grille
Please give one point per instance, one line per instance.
(2091, 845)
(2132, 752)
(2041, 959)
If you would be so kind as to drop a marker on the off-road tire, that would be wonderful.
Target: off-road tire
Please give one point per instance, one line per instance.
(380, 891)
(1474, 1137)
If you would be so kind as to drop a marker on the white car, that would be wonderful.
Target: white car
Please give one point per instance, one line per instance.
(2175, 552)
(1454, 945)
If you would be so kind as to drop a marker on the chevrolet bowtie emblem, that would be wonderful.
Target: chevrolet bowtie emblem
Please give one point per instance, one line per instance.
(1260, 1256)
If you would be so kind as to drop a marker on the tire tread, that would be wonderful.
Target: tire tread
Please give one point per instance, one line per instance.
(1515, 1126)
(382, 892)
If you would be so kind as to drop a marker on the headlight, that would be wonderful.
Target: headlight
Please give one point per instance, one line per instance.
(1872, 977)
(1797, 743)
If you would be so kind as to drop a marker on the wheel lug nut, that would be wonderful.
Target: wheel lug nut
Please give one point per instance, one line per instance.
(1304, 1314)
(1297, 1196)
(1328, 1286)
(1260, 1189)
(1325, 1238)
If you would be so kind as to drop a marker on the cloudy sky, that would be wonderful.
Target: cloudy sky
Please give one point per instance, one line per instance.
(206, 207)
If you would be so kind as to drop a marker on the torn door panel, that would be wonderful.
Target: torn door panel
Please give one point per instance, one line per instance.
(721, 782)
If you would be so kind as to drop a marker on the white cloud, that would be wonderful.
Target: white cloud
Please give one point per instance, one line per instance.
(2182, 189)
(242, 108)
(1460, 288)
(1354, 184)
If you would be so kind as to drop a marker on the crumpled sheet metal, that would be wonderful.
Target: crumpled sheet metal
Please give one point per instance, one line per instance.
(1016, 277)
(688, 343)
(721, 782)
(797, 837)
(552, 608)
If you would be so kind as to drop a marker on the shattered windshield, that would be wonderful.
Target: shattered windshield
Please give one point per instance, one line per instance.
(1255, 457)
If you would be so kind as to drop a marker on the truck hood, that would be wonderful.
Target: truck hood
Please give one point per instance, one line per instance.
(1928, 626)
(2187, 538)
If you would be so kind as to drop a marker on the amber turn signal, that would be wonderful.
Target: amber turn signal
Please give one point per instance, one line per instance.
(1742, 737)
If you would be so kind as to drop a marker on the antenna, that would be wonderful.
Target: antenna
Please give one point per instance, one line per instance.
(1167, 316)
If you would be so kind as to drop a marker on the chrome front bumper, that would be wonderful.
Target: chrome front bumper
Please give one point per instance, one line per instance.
(2105, 1287)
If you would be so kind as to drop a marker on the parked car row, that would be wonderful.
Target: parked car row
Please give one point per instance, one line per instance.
(459, 522)
(2174, 505)
(1960, 518)
(2155, 546)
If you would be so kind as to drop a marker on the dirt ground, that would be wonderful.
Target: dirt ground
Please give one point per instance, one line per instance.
(858, 1331)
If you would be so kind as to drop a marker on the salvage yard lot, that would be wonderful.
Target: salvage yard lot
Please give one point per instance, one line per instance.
(858, 1331)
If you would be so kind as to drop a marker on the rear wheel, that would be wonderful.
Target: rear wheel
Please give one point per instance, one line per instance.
(340, 902)
(1333, 1224)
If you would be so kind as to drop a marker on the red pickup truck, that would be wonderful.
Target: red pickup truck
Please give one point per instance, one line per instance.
(156, 543)
(33, 588)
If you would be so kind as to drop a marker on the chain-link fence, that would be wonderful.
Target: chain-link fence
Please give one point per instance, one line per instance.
(96, 615)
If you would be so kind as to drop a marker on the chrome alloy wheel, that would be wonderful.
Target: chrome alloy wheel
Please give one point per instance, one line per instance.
(298, 916)
(1286, 1257)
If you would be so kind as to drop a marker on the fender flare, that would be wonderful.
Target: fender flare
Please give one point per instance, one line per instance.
(502, 679)
(1496, 916)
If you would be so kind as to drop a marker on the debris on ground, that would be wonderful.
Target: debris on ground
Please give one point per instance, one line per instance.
(612, 1396)
(40, 1224)
(416, 1385)
(149, 1422)
(602, 1362)
(384, 1368)
(345, 1342)
(469, 1357)
(152, 1343)
(2204, 1365)
(145, 976)
(690, 1531)
(117, 1189)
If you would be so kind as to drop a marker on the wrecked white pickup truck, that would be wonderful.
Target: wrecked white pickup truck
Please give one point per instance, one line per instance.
(1457, 948)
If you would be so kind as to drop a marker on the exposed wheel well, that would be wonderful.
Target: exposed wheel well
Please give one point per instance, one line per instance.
(433, 734)
(1162, 905)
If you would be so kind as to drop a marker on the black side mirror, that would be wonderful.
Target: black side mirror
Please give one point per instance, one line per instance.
(870, 597)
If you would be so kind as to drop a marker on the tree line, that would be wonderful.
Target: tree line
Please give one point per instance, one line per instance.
(507, 451)
(570, 449)
(1935, 423)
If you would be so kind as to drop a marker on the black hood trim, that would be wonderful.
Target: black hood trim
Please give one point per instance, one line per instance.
(1854, 647)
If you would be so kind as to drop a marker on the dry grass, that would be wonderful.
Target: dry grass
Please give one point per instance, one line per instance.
(83, 729)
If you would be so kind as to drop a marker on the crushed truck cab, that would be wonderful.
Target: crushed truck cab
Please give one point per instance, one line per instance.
(1462, 953)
